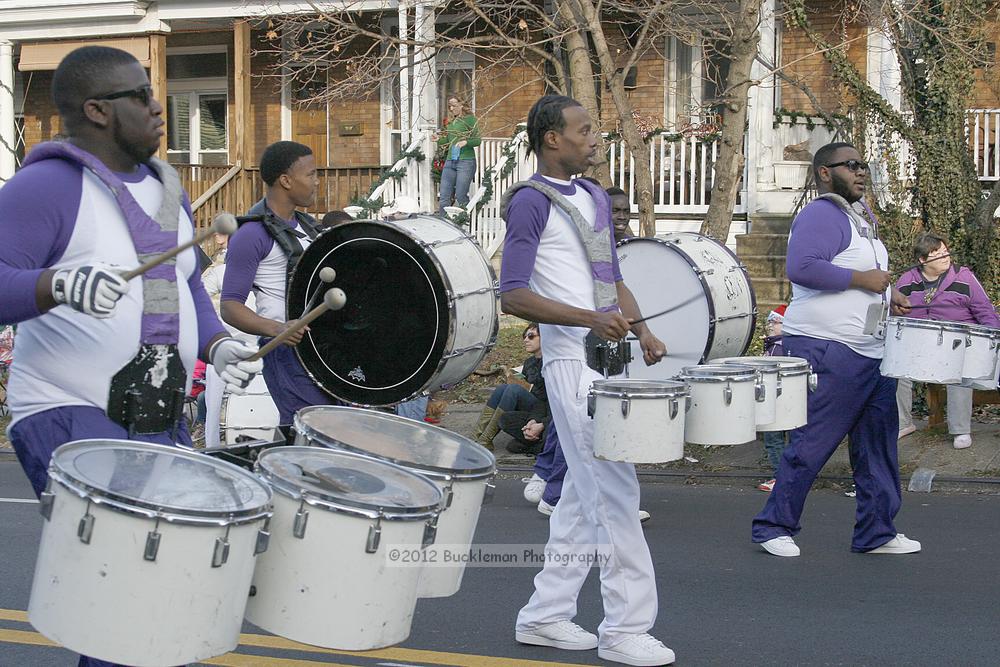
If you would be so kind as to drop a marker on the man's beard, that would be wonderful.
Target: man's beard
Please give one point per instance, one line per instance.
(137, 153)
(844, 188)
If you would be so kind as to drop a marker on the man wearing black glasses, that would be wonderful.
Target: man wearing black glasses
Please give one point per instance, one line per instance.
(839, 272)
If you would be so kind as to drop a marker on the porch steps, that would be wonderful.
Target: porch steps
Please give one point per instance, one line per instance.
(763, 251)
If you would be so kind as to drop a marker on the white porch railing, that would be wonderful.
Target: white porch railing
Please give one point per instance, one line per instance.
(412, 183)
(982, 126)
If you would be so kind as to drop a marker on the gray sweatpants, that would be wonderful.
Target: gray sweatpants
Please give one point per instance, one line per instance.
(959, 407)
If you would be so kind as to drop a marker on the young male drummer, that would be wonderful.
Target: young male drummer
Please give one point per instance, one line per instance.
(260, 257)
(552, 274)
(839, 272)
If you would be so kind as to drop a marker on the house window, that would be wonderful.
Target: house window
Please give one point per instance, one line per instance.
(197, 106)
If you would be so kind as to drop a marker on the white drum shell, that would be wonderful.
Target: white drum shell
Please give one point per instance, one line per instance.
(325, 589)
(105, 601)
(456, 526)
(252, 414)
(923, 353)
(980, 362)
(472, 293)
(647, 434)
(711, 421)
(790, 409)
(765, 410)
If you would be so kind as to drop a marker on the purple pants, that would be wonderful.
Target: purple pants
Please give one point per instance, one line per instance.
(551, 466)
(290, 386)
(852, 399)
(34, 439)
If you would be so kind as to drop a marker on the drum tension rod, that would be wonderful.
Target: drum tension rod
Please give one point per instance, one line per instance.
(374, 535)
(152, 542)
(85, 528)
(221, 552)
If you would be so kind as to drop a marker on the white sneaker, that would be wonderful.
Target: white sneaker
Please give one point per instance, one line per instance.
(643, 516)
(545, 508)
(900, 544)
(566, 635)
(962, 441)
(905, 431)
(643, 650)
(534, 489)
(782, 545)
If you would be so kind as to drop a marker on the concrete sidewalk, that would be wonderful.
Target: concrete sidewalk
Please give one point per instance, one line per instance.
(923, 449)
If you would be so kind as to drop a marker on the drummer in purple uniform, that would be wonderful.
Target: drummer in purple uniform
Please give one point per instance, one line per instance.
(839, 272)
(261, 256)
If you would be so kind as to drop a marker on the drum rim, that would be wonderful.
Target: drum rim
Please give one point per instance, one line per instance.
(139, 507)
(341, 505)
(434, 472)
(633, 388)
(918, 323)
(763, 364)
(731, 373)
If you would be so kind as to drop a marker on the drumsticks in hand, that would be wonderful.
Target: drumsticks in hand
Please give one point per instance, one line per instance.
(327, 275)
(334, 299)
(224, 223)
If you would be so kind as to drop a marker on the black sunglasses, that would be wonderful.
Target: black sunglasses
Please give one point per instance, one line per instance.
(853, 165)
(530, 336)
(143, 93)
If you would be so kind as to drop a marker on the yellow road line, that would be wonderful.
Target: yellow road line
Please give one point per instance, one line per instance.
(241, 660)
(280, 643)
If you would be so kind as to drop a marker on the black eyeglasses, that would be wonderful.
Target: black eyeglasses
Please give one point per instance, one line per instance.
(143, 93)
(530, 336)
(853, 165)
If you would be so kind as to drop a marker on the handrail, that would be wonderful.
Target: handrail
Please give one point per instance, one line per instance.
(505, 157)
(215, 187)
(377, 192)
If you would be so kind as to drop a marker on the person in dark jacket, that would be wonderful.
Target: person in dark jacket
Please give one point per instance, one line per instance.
(524, 405)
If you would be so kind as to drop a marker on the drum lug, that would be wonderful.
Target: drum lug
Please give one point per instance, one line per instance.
(374, 536)
(449, 494)
(45, 502)
(673, 408)
(777, 393)
(430, 532)
(958, 341)
(626, 405)
(760, 390)
(727, 393)
(152, 545)
(706, 272)
(591, 404)
(299, 524)
(85, 528)
(491, 490)
(813, 381)
(940, 336)
(899, 330)
(687, 403)
(221, 552)
(263, 538)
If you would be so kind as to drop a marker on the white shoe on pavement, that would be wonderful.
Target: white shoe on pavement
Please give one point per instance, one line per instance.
(783, 545)
(900, 544)
(643, 516)
(534, 489)
(545, 508)
(641, 650)
(566, 635)
(905, 431)
(962, 441)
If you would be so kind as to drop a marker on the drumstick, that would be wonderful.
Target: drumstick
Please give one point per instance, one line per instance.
(334, 299)
(670, 310)
(327, 275)
(919, 264)
(224, 223)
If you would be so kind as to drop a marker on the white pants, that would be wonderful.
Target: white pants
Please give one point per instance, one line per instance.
(959, 407)
(599, 506)
(214, 388)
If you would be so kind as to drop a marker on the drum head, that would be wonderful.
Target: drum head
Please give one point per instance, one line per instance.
(385, 345)
(661, 275)
(166, 479)
(345, 478)
(402, 441)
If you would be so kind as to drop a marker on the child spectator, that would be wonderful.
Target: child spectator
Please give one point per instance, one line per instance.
(774, 441)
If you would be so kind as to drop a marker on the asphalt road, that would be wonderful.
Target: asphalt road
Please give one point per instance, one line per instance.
(722, 600)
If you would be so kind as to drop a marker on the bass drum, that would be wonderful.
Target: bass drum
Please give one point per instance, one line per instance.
(668, 270)
(421, 309)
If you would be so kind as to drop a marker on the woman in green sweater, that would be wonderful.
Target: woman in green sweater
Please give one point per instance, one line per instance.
(460, 137)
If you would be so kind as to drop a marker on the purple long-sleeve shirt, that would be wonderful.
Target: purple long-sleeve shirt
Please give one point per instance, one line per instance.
(822, 232)
(959, 298)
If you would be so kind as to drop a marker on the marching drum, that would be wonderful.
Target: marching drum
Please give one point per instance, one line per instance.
(421, 309)
(723, 400)
(769, 370)
(662, 272)
(924, 350)
(795, 381)
(638, 421)
(980, 361)
(147, 552)
(328, 578)
(252, 414)
(461, 468)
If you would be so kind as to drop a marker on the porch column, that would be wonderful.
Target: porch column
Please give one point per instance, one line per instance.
(760, 148)
(425, 113)
(884, 76)
(404, 75)
(8, 131)
(158, 80)
(242, 148)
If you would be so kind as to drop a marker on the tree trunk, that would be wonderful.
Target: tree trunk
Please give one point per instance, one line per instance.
(729, 164)
(581, 74)
(623, 106)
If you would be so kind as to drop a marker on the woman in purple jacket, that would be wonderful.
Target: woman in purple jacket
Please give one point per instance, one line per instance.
(951, 294)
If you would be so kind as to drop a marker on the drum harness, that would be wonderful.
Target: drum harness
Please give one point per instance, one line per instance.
(137, 390)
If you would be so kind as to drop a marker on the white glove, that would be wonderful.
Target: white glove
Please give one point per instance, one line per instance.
(229, 359)
(93, 289)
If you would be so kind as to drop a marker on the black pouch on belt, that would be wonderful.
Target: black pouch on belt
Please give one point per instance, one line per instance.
(606, 357)
(147, 394)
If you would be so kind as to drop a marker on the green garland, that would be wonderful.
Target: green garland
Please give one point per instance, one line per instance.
(509, 150)
(669, 136)
(373, 206)
(791, 117)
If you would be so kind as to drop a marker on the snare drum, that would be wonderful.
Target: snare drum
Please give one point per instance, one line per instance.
(461, 468)
(980, 353)
(638, 421)
(663, 272)
(765, 410)
(328, 579)
(147, 552)
(795, 381)
(924, 350)
(723, 399)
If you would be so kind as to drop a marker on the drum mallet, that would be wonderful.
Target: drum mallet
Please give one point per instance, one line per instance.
(224, 223)
(327, 275)
(334, 299)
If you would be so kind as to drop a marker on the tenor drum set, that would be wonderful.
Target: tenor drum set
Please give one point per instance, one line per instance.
(941, 352)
